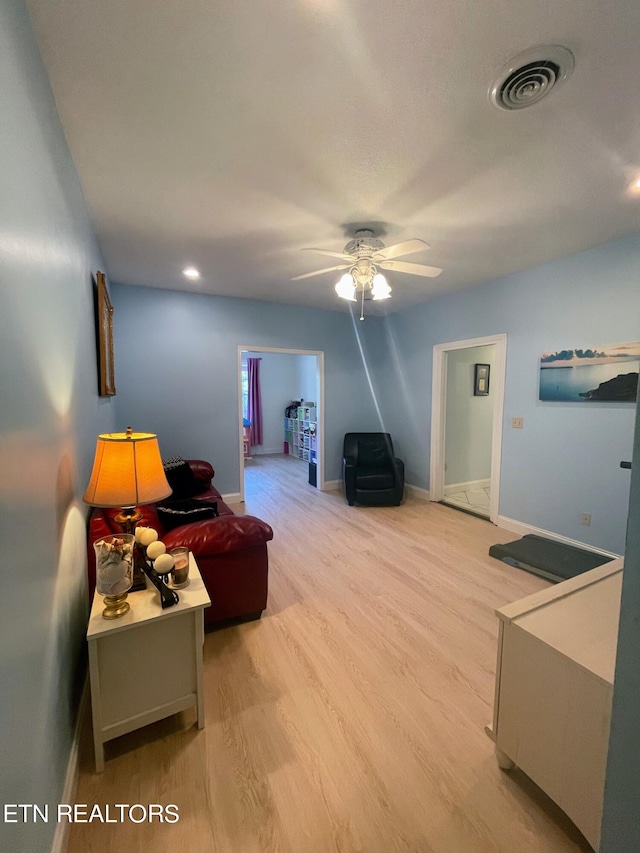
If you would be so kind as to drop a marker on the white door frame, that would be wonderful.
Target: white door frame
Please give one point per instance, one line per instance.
(438, 407)
(320, 401)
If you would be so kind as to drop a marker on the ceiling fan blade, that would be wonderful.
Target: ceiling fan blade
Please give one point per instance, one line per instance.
(319, 272)
(413, 269)
(407, 247)
(331, 254)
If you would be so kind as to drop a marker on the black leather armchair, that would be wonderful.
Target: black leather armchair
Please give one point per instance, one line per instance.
(372, 475)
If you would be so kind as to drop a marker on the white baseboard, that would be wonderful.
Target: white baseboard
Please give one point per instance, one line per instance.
(232, 498)
(267, 451)
(332, 486)
(338, 485)
(61, 835)
(418, 492)
(463, 487)
(525, 529)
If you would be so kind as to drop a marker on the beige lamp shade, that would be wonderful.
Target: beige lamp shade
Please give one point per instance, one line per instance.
(127, 471)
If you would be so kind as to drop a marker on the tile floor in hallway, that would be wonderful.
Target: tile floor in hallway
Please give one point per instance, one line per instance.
(474, 500)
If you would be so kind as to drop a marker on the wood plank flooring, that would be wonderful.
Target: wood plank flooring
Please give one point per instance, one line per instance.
(350, 718)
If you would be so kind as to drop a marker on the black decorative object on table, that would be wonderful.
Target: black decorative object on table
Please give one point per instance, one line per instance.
(167, 596)
(140, 566)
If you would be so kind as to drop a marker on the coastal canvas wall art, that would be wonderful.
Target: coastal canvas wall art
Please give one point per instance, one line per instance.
(605, 374)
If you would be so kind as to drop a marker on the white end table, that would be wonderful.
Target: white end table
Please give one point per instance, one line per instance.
(147, 664)
(554, 686)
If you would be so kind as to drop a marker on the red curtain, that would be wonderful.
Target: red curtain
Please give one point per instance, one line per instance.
(254, 408)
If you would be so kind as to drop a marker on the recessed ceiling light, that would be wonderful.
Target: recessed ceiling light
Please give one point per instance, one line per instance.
(633, 188)
(191, 272)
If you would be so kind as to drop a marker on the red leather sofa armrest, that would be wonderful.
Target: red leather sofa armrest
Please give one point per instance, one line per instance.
(202, 471)
(220, 535)
(99, 526)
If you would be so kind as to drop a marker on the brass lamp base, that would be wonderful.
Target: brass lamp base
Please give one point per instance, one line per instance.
(128, 518)
(116, 606)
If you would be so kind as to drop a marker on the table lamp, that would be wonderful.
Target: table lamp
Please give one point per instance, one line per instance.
(127, 472)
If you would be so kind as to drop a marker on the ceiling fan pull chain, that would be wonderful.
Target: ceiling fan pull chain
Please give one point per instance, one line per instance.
(362, 306)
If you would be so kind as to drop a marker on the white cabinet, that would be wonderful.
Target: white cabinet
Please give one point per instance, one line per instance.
(554, 684)
(147, 664)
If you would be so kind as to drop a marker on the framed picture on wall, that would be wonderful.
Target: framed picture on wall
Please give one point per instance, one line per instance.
(481, 380)
(107, 385)
(596, 374)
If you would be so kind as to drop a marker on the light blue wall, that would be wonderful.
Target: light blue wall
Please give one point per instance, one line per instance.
(278, 387)
(176, 363)
(49, 418)
(398, 401)
(306, 368)
(565, 460)
(468, 418)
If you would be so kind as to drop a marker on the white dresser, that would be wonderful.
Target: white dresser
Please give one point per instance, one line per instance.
(554, 684)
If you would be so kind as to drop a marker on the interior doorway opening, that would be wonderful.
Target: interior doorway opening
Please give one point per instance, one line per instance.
(466, 427)
(287, 376)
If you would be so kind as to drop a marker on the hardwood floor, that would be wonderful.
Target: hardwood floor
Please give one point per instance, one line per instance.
(350, 718)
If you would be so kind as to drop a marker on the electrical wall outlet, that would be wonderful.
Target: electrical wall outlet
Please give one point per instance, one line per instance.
(585, 518)
(517, 423)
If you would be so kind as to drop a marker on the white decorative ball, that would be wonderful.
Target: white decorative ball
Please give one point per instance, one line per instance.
(163, 564)
(148, 536)
(155, 549)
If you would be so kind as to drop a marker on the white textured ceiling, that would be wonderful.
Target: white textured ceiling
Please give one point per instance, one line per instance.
(229, 134)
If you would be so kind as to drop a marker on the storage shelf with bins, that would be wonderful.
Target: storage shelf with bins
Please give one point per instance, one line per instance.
(300, 435)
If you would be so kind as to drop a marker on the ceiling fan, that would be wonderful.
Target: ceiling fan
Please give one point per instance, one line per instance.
(364, 257)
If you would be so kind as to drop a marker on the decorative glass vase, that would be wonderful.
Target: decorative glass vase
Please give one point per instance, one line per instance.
(114, 572)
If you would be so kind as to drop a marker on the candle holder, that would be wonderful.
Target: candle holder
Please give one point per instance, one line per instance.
(180, 571)
(114, 572)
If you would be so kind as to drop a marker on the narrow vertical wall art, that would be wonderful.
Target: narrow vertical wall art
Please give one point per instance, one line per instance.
(107, 386)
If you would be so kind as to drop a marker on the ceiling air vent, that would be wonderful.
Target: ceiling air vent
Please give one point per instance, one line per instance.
(531, 76)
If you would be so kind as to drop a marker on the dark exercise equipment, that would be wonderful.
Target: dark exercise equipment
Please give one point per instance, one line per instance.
(549, 559)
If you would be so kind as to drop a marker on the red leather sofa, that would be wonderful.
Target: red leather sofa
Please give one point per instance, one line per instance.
(231, 550)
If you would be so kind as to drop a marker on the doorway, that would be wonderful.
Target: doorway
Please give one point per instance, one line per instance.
(466, 424)
(285, 375)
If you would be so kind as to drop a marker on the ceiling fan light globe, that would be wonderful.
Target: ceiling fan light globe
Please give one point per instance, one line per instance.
(346, 288)
(380, 288)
